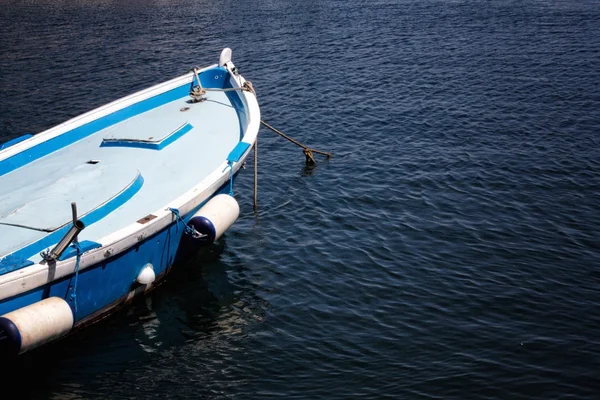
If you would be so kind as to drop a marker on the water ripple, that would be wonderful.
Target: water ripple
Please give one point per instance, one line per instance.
(450, 247)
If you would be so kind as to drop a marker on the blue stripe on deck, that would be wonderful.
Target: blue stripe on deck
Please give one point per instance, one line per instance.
(92, 217)
(42, 149)
(238, 152)
(11, 263)
(211, 78)
(84, 245)
(146, 144)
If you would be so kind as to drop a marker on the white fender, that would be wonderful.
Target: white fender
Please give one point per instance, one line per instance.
(36, 324)
(215, 217)
(146, 275)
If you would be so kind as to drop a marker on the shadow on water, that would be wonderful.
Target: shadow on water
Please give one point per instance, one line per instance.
(188, 306)
(308, 169)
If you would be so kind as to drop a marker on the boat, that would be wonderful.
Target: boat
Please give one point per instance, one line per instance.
(96, 211)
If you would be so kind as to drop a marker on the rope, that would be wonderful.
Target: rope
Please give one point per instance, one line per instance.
(198, 91)
(188, 230)
(246, 87)
(256, 173)
(231, 178)
(73, 296)
(310, 160)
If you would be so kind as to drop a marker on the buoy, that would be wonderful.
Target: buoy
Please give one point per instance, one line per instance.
(29, 327)
(146, 275)
(214, 218)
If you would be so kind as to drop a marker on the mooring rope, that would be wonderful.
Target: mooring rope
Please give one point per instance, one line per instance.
(308, 152)
(197, 92)
(230, 178)
(255, 173)
(188, 230)
(246, 87)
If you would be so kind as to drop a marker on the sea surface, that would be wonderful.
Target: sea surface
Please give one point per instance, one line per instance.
(450, 248)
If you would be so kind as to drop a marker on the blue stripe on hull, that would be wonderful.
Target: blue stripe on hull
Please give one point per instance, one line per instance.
(109, 283)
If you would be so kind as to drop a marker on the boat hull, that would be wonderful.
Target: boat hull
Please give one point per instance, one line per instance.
(107, 286)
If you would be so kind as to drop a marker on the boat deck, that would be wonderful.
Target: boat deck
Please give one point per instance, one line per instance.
(116, 175)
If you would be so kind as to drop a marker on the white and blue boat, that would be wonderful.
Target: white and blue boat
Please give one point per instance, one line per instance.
(97, 210)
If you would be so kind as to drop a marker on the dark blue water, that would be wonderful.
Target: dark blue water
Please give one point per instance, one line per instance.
(449, 250)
